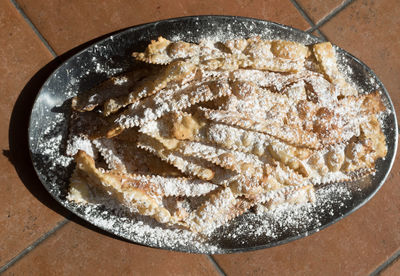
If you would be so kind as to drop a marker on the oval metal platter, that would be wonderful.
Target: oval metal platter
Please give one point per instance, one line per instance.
(49, 129)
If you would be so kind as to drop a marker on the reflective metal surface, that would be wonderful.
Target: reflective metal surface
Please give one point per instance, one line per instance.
(49, 119)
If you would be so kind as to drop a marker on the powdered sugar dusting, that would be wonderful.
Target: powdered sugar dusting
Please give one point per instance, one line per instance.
(54, 167)
(247, 230)
(287, 219)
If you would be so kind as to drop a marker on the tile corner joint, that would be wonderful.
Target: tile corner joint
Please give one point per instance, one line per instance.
(303, 13)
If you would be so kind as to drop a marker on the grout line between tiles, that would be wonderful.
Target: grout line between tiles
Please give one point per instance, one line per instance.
(308, 19)
(33, 246)
(330, 15)
(322, 35)
(23, 14)
(303, 13)
(386, 264)
(216, 265)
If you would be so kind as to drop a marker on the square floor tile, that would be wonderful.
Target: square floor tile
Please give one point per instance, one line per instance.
(67, 24)
(23, 218)
(76, 250)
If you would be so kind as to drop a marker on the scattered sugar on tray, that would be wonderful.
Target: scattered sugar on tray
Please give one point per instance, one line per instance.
(120, 80)
(250, 226)
(280, 219)
(145, 231)
(102, 68)
(290, 219)
(47, 154)
(383, 119)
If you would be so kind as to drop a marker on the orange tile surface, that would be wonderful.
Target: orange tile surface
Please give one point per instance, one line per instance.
(75, 250)
(318, 9)
(357, 245)
(66, 24)
(23, 218)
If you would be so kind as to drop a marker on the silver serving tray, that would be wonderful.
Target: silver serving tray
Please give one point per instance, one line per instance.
(111, 56)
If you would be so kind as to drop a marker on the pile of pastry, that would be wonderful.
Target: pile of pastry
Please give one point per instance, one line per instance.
(198, 134)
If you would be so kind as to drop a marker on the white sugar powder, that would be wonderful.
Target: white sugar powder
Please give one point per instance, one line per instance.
(249, 229)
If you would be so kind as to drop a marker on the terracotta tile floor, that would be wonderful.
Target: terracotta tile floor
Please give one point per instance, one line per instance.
(38, 237)
(317, 9)
(59, 20)
(23, 218)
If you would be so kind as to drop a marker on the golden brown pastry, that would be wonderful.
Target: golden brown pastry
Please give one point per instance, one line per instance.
(241, 124)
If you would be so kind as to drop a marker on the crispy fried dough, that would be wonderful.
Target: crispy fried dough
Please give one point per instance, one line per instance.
(243, 124)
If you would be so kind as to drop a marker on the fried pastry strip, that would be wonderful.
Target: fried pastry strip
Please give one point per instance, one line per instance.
(183, 187)
(189, 166)
(363, 152)
(126, 157)
(297, 158)
(271, 80)
(266, 197)
(163, 51)
(303, 194)
(309, 125)
(309, 163)
(220, 208)
(176, 72)
(168, 186)
(173, 186)
(251, 53)
(78, 190)
(224, 206)
(231, 63)
(111, 88)
(343, 162)
(184, 126)
(130, 193)
(325, 55)
(290, 135)
(166, 101)
(171, 128)
(246, 164)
